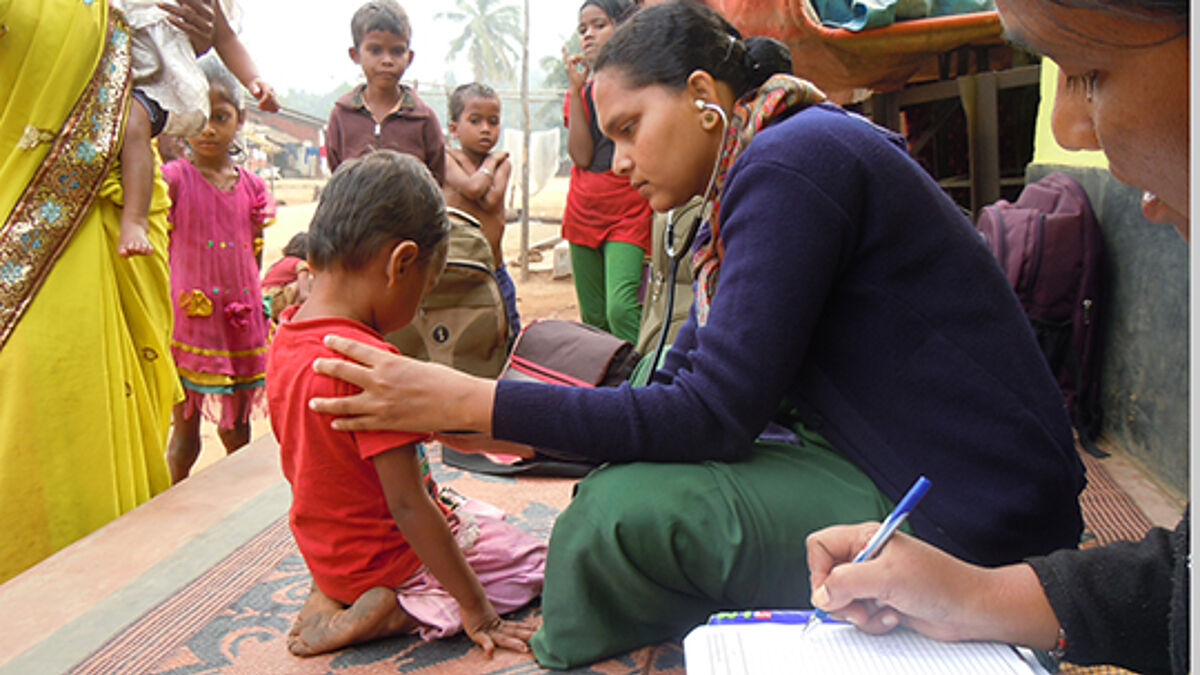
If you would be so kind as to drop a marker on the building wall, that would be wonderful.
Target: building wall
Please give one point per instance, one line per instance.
(301, 128)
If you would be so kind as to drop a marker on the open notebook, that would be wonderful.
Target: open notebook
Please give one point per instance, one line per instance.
(837, 649)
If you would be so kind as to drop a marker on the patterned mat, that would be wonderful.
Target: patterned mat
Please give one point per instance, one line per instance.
(235, 616)
(1108, 513)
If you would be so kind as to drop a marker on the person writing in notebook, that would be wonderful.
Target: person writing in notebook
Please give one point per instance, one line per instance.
(1125, 603)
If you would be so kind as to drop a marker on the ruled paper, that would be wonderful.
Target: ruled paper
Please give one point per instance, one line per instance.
(774, 649)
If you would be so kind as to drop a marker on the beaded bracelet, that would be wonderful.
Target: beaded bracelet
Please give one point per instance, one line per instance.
(1052, 659)
(1060, 645)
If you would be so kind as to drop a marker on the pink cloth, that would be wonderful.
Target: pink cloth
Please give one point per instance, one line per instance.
(220, 337)
(510, 565)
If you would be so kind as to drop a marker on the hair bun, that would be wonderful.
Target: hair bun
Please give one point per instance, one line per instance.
(756, 75)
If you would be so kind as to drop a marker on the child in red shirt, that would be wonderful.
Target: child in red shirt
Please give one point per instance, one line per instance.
(386, 555)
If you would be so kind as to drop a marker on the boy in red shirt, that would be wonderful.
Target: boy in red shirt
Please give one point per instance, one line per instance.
(387, 556)
(383, 113)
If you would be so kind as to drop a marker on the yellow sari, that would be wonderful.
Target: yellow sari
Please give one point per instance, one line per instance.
(86, 378)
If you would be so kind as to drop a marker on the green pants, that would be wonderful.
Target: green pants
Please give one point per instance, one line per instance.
(646, 551)
(606, 283)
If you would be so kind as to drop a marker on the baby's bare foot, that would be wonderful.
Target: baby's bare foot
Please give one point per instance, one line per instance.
(375, 614)
(134, 239)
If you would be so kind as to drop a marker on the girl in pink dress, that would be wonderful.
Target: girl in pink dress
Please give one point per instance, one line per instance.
(219, 344)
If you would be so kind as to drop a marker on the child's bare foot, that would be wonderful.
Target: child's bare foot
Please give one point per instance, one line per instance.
(134, 239)
(324, 626)
(316, 601)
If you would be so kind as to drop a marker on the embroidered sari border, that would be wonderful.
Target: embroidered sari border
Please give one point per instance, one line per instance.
(59, 196)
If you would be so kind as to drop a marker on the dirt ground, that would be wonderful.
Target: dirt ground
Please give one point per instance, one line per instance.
(538, 294)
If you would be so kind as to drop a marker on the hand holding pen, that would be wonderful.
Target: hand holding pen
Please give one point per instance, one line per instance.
(821, 566)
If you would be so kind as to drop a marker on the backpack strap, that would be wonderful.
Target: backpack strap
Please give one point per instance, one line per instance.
(463, 215)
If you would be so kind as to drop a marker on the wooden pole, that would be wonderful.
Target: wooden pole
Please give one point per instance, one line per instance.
(525, 148)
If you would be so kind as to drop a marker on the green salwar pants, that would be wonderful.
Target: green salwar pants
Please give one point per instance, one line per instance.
(646, 551)
(607, 280)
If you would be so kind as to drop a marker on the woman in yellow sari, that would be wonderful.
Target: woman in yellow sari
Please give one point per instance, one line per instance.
(86, 379)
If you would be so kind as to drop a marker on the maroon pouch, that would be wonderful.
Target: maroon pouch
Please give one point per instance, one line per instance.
(569, 353)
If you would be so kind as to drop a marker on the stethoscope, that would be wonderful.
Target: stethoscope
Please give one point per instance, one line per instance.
(675, 255)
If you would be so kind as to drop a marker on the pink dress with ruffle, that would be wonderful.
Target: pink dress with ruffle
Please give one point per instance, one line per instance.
(220, 337)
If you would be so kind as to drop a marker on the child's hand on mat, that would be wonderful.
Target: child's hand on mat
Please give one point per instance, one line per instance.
(491, 631)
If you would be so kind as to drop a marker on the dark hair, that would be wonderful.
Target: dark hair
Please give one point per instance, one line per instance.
(458, 98)
(222, 81)
(1175, 12)
(373, 200)
(769, 55)
(297, 246)
(663, 44)
(617, 10)
(1166, 10)
(385, 15)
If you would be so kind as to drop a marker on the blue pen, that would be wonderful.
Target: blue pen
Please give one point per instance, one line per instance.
(881, 536)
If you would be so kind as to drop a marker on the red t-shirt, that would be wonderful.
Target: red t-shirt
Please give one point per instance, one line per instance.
(283, 272)
(602, 206)
(339, 515)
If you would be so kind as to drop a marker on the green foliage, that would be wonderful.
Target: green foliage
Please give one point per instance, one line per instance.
(491, 31)
(548, 115)
(315, 104)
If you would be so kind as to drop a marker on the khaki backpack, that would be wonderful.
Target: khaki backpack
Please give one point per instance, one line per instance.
(461, 322)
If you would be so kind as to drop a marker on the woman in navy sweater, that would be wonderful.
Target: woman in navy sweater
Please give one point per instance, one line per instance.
(1123, 89)
(849, 332)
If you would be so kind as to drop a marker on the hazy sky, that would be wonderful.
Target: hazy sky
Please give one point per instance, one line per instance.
(302, 44)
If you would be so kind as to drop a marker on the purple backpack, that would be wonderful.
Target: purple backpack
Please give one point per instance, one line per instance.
(1051, 249)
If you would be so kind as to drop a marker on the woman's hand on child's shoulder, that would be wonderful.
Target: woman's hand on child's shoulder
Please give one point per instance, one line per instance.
(489, 631)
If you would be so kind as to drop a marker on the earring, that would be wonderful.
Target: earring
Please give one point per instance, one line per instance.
(708, 118)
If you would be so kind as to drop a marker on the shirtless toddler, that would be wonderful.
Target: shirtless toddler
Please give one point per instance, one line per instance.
(477, 177)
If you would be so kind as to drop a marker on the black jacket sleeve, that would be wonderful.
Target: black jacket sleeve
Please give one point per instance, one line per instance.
(1125, 603)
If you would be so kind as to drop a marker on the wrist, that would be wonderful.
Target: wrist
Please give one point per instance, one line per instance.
(472, 408)
(485, 171)
(1014, 609)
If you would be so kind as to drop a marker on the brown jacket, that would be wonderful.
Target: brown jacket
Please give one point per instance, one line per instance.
(413, 129)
